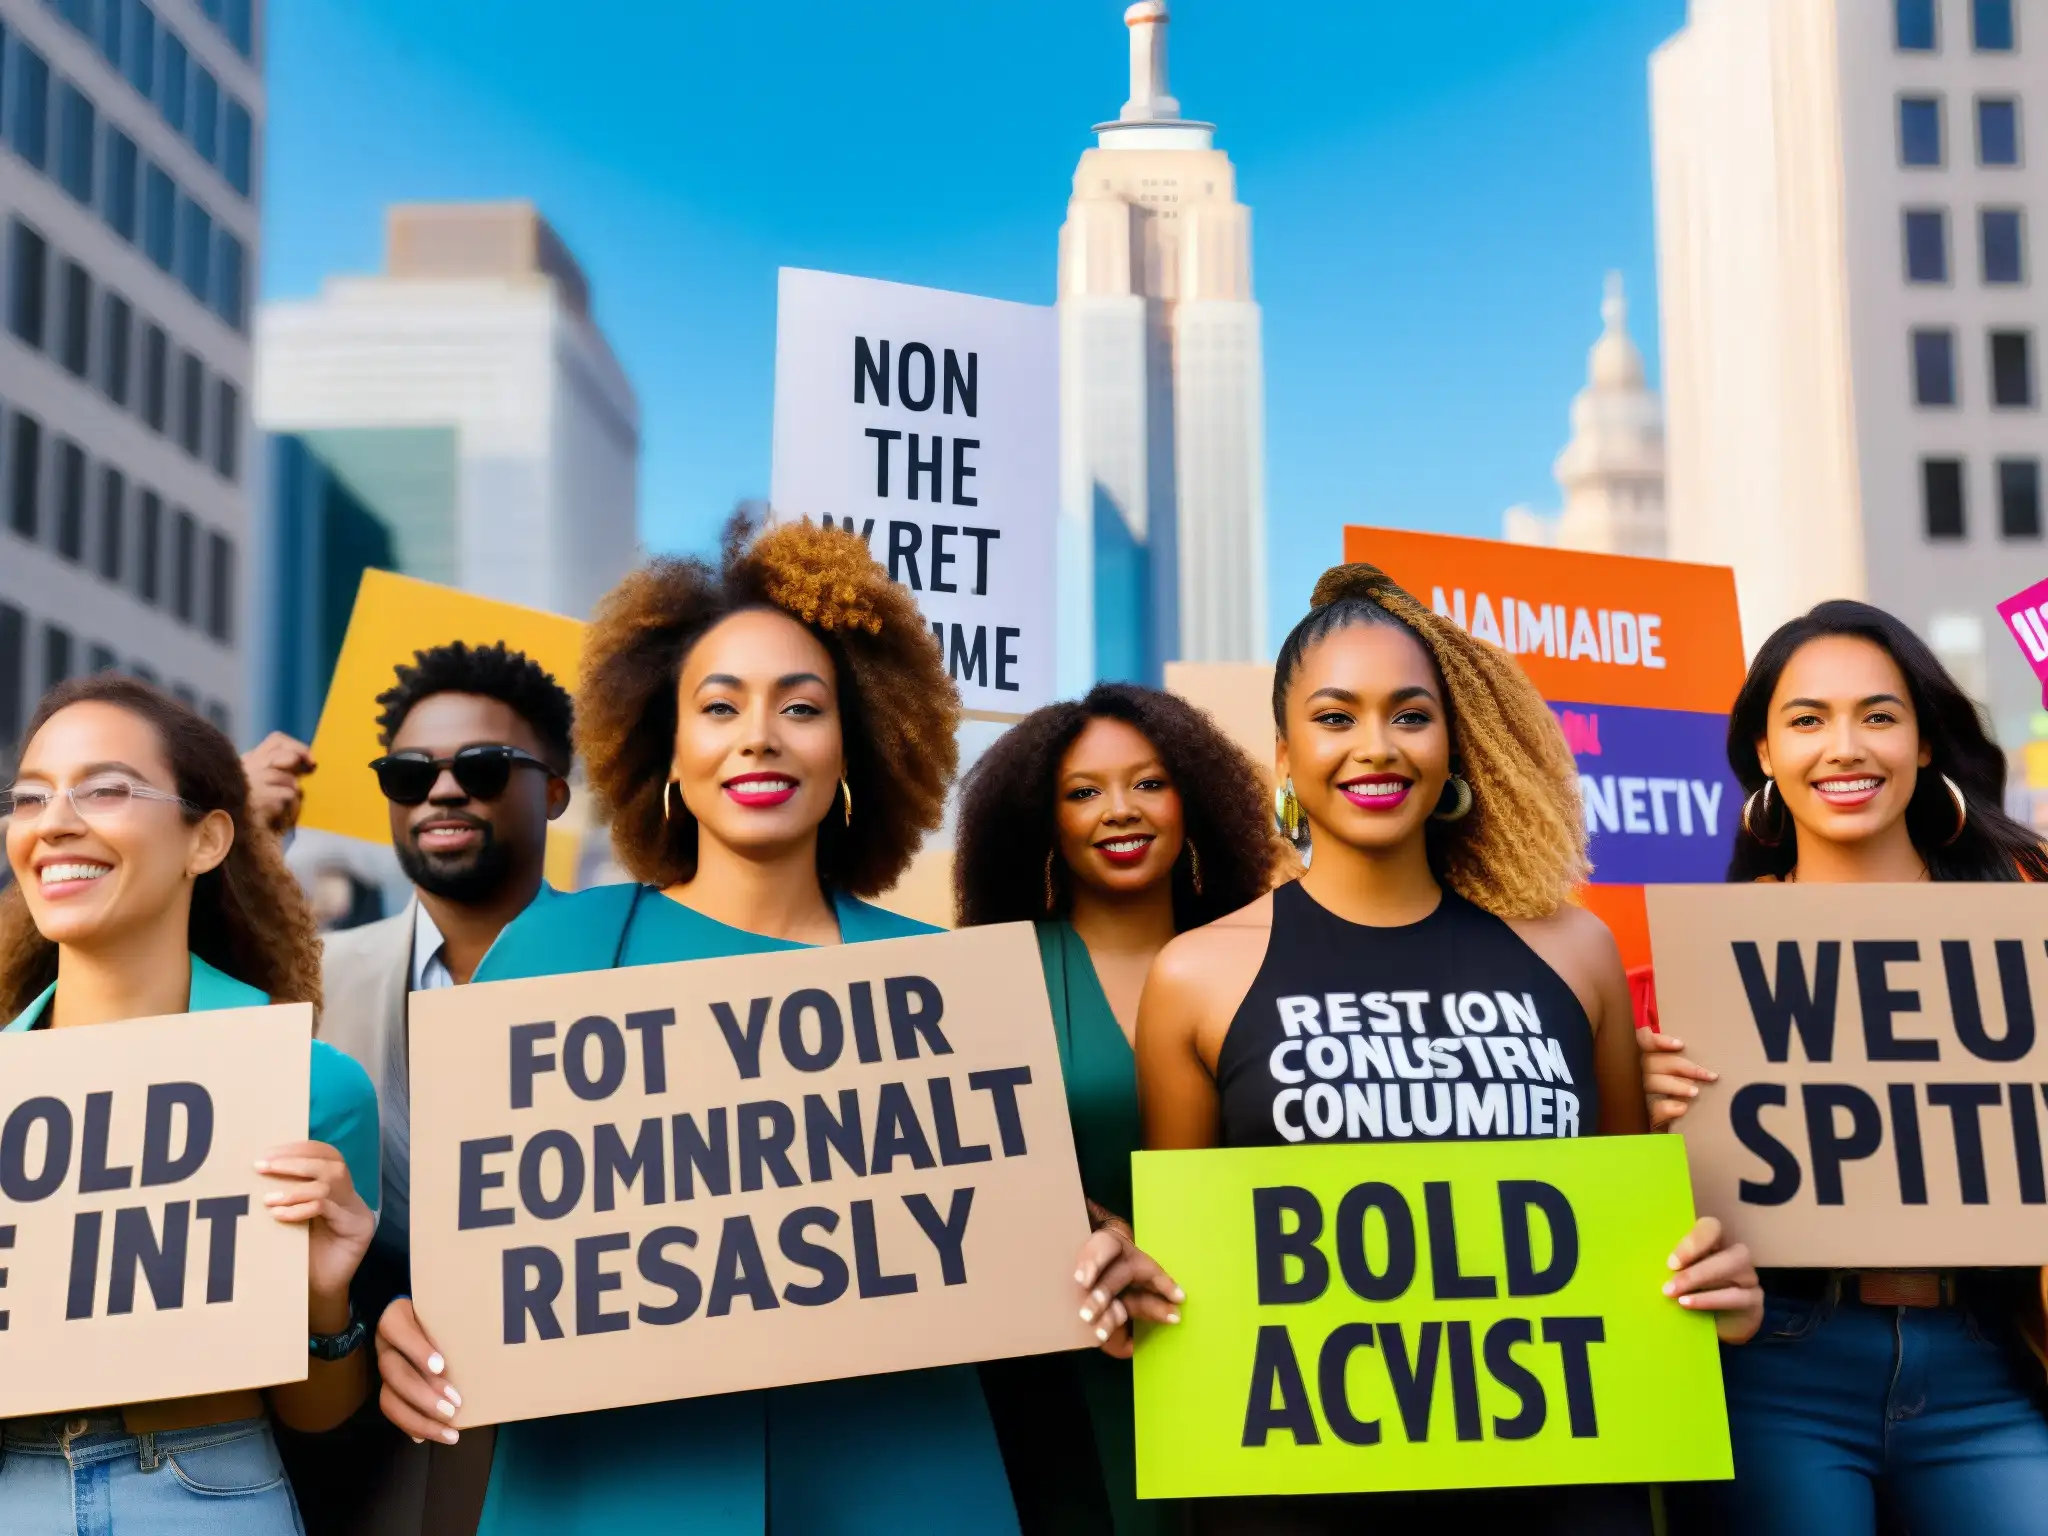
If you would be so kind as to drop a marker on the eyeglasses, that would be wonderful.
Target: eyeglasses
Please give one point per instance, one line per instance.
(94, 800)
(408, 778)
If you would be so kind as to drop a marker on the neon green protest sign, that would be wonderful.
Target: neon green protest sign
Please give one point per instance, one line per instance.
(1456, 1315)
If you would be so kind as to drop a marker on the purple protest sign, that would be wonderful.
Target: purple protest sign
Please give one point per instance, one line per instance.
(1660, 802)
(2026, 615)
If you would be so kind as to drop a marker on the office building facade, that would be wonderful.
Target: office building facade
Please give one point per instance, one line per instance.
(130, 159)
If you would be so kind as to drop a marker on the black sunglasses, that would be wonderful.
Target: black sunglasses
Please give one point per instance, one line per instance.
(408, 778)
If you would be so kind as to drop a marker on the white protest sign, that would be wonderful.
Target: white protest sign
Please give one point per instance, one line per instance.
(928, 422)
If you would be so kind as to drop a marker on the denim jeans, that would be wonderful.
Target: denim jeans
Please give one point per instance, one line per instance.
(223, 1480)
(1845, 1414)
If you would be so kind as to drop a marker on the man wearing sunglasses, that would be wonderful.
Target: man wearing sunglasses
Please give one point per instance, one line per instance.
(475, 765)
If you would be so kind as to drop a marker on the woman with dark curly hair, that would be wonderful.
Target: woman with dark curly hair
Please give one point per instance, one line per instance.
(772, 739)
(1442, 810)
(141, 891)
(1113, 824)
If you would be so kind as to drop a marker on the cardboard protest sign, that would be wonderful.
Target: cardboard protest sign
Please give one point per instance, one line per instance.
(669, 1181)
(2026, 615)
(1882, 1088)
(1456, 1315)
(137, 1260)
(395, 616)
(928, 422)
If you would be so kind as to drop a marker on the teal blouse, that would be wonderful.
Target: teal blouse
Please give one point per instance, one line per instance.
(343, 1106)
(871, 1456)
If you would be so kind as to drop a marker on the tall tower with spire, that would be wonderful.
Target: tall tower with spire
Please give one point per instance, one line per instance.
(1162, 394)
(1612, 471)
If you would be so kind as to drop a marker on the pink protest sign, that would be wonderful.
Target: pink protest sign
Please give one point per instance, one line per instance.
(2027, 617)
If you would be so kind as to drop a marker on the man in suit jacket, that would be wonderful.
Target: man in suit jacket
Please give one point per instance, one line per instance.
(477, 749)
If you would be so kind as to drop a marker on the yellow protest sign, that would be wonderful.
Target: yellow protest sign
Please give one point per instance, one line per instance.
(1456, 1315)
(395, 616)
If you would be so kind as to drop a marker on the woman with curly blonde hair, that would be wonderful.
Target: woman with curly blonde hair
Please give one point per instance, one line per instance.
(1427, 978)
(141, 891)
(772, 739)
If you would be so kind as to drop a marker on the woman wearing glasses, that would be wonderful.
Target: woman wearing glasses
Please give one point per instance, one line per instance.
(773, 739)
(140, 891)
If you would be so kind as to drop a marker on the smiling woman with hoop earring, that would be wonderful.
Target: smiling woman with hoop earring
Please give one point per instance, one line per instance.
(1874, 1392)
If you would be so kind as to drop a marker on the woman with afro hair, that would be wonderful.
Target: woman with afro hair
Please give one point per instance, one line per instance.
(1112, 824)
(1440, 809)
(772, 739)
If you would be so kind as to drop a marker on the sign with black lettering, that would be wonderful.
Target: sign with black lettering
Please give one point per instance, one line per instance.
(137, 1261)
(668, 1181)
(1456, 1315)
(928, 422)
(1883, 1086)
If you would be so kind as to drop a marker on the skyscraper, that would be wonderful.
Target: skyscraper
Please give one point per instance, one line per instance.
(1850, 319)
(1162, 505)
(1612, 470)
(468, 395)
(129, 204)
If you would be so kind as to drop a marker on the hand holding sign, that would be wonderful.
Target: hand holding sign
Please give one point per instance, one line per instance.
(1122, 1283)
(319, 1195)
(1670, 1082)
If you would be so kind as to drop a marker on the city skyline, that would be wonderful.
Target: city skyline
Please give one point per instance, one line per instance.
(1434, 198)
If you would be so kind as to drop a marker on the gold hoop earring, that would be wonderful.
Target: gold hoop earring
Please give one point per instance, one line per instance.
(1287, 811)
(668, 790)
(1050, 901)
(1195, 865)
(1754, 810)
(1461, 795)
(846, 795)
(1962, 810)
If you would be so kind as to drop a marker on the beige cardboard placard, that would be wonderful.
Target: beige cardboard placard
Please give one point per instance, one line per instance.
(1884, 1084)
(137, 1260)
(669, 1181)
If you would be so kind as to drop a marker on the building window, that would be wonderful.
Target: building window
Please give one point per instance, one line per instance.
(1941, 497)
(170, 96)
(31, 106)
(227, 429)
(1998, 130)
(156, 377)
(1926, 245)
(28, 284)
(56, 655)
(111, 31)
(79, 14)
(1934, 367)
(113, 521)
(230, 282)
(195, 248)
(1914, 25)
(74, 345)
(239, 24)
(184, 566)
(186, 695)
(205, 114)
(2019, 498)
(2012, 369)
(141, 48)
(217, 713)
(76, 123)
(117, 344)
(1920, 130)
(149, 547)
(103, 659)
(191, 404)
(1991, 25)
(70, 500)
(142, 672)
(25, 477)
(2003, 246)
(240, 148)
(13, 662)
(220, 587)
(159, 217)
(118, 197)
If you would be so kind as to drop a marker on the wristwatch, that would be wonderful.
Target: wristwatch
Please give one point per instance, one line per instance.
(339, 1346)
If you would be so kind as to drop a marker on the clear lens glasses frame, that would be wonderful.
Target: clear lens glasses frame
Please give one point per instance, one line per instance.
(94, 800)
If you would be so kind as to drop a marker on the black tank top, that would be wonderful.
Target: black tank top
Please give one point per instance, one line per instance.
(1450, 1029)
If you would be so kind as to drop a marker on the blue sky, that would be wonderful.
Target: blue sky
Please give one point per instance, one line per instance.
(1436, 191)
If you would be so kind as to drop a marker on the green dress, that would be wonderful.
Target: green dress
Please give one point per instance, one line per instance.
(1066, 1420)
(870, 1456)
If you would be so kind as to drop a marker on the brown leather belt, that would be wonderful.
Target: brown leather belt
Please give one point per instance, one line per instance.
(1906, 1288)
(176, 1413)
